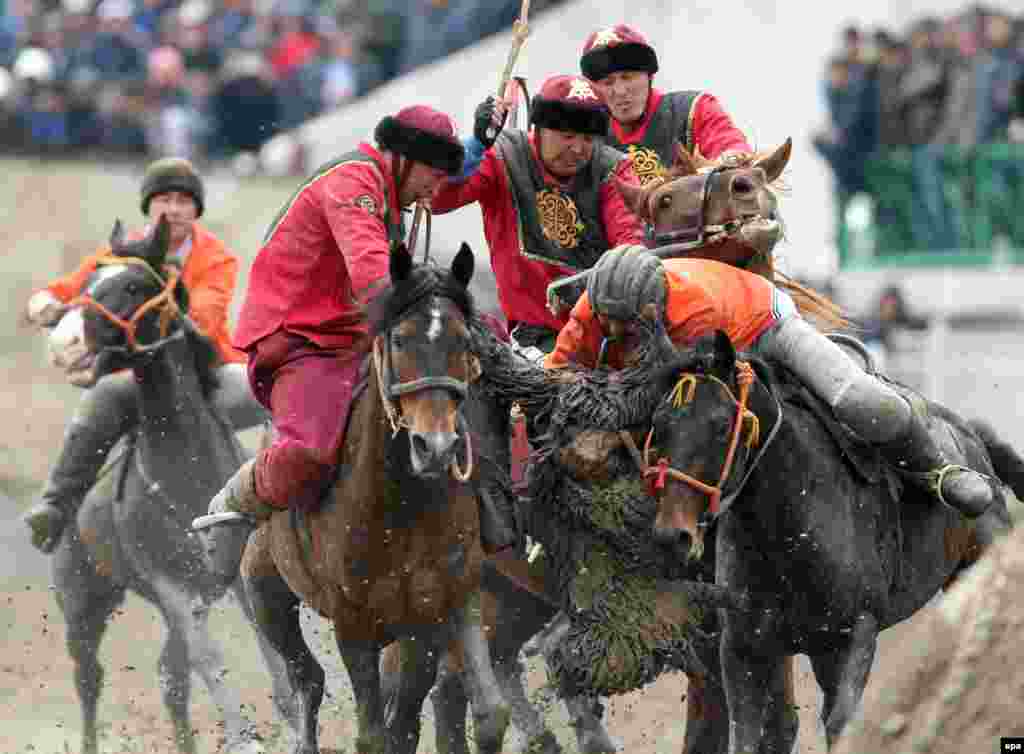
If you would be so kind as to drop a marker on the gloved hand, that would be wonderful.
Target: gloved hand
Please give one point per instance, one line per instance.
(44, 309)
(488, 120)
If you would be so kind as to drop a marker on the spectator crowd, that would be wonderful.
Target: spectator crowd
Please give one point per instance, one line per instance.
(927, 131)
(201, 78)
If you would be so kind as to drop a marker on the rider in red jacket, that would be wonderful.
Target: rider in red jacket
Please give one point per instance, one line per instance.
(647, 122)
(550, 207)
(303, 323)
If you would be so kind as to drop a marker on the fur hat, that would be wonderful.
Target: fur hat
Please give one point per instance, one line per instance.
(620, 48)
(569, 103)
(423, 134)
(172, 174)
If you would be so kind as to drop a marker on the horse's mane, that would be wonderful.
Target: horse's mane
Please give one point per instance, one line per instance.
(424, 280)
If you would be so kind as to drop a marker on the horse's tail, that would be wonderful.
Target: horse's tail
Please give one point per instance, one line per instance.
(1007, 462)
(819, 308)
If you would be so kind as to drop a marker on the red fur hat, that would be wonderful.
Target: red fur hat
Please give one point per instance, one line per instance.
(569, 103)
(423, 134)
(620, 48)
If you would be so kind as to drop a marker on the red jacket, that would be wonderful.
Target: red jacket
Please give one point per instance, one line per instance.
(324, 257)
(210, 273)
(522, 282)
(711, 129)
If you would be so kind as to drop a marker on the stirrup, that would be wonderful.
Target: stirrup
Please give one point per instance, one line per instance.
(226, 517)
(933, 479)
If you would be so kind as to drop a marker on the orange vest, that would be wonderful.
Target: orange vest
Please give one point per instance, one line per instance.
(703, 296)
(209, 274)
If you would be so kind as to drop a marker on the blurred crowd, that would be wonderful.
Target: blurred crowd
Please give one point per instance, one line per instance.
(210, 79)
(926, 132)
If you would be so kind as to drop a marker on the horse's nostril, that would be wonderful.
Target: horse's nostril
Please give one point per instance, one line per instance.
(419, 445)
(742, 185)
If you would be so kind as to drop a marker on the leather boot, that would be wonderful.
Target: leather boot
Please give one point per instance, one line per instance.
(85, 449)
(918, 455)
(233, 513)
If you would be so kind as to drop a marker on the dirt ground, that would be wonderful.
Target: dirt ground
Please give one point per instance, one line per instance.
(54, 213)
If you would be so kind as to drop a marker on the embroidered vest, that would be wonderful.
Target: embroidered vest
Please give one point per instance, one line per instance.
(672, 121)
(396, 231)
(556, 226)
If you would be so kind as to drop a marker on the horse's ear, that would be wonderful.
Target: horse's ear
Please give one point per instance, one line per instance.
(724, 361)
(462, 265)
(684, 163)
(117, 236)
(633, 194)
(400, 265)
(160, 243)
(774, 163)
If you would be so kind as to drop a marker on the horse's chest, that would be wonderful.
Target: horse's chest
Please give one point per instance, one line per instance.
(414, 574)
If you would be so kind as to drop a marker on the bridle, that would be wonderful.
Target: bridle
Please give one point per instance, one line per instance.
(390, 391)
(682, 394)
(696, 232)
(163, 303)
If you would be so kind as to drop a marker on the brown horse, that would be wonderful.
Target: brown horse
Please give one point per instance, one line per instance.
(727, 211)
(394, 553)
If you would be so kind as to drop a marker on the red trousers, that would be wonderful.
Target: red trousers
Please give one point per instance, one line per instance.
(309, 392)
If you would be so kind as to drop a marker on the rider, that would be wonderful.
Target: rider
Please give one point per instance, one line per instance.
(170, 187)
(549, 208)
(696, 297)
(303, 323)
(647, 122)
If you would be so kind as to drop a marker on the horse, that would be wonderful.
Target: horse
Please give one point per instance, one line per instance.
(131, 315)
(826, 540)
(393, 555)
(728, 211)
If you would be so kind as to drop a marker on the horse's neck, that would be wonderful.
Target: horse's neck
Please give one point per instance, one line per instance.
(178, 425)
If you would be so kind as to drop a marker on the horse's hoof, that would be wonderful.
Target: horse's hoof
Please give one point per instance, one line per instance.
(599, 742)
(545, 743)
(247, 742)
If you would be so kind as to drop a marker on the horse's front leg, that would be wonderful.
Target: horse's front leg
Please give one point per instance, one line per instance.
(418, 671)
(490, 712)
(751, 664)
(362, 661)
(843, 674)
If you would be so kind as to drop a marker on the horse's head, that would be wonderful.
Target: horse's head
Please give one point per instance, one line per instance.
(700, 203)
(128, 305)
(701, 443)
(423, 358)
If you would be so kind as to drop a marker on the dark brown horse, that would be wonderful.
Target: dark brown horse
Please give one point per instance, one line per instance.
(807, 520)
(394, 554)
(131, 316)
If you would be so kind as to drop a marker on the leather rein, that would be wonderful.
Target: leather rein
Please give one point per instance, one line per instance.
(656, 473)
(163, 303)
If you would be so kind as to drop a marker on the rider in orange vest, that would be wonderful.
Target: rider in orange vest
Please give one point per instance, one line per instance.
(170, 187)
(696, 297)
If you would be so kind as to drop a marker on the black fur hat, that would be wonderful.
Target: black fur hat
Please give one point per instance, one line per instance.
(423, 134)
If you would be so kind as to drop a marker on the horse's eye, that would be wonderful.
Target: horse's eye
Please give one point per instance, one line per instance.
(665, 201)
(131, 289)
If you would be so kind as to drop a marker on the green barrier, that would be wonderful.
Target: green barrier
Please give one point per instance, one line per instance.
(983, 190)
